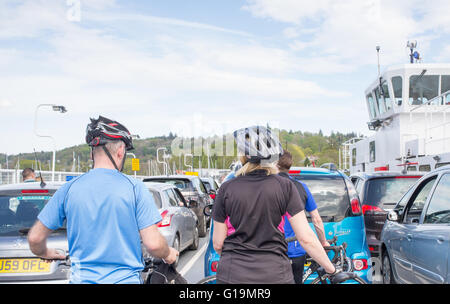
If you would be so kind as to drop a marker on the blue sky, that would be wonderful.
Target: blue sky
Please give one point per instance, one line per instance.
(201, 67)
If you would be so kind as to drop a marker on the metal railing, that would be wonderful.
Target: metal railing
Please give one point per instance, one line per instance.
(345, 153)
(431, 108)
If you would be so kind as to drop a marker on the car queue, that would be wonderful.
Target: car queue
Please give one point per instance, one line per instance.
(21, 203)
(402, 219)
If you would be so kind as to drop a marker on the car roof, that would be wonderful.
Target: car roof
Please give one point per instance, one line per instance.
(32, 185)
(190, 177)
(315, 171)
(158, 186)
(367, 175)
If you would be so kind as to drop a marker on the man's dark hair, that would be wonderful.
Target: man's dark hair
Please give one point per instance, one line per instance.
(285, 161)
(26, 173)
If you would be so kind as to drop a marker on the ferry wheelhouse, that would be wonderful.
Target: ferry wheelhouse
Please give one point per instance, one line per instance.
(408, 107)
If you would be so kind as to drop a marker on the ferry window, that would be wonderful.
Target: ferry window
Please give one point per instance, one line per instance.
(425, 168)
(397, 85)
(354, 157)
(381, 108)
(412, 168)
(445, 84)
(372, 151)
(370, 100)
(387, 98)
(445, 88)
(441, 165)
(423, 88)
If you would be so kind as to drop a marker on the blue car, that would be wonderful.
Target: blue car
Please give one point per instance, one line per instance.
(415, 240)
(338, 204)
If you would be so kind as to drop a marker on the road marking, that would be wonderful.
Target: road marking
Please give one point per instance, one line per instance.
(194, 259)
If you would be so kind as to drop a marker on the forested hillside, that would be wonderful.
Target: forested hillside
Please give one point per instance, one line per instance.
(304, 146)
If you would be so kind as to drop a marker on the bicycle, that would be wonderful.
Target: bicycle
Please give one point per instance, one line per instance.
(158, 272)
(339, 260)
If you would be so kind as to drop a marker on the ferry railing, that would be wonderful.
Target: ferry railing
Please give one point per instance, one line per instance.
(429, 119)
(345, 154)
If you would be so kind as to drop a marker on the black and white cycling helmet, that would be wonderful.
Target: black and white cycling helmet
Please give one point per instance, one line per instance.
(258, 143)
(103, 130)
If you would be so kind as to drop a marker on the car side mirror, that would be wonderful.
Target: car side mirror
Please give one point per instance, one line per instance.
(393, 216)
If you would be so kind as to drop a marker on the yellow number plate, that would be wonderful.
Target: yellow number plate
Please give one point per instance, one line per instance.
(23, 266)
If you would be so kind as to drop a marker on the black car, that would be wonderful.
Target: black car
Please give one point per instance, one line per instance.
(194, 191)
(211, 186)
(379, 192)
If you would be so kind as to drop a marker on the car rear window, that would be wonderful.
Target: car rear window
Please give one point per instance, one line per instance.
(387, 191)
(330, 194)
(18, 213)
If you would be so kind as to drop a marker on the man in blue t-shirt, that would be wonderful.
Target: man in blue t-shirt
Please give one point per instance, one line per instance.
(295, 251)
(107, 215)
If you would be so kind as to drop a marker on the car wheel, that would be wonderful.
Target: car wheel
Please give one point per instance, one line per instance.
(202, 226)
(195, 241)
(386, 271)
(176, 245)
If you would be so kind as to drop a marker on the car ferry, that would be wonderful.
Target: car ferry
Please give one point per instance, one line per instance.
(408, 107)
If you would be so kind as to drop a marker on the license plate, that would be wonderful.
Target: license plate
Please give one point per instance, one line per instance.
(23, 266)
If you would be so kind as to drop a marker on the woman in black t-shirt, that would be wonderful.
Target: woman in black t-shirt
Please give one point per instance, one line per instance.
(248, 217)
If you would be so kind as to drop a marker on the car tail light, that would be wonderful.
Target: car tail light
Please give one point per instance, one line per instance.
(166, 218)
(356, 208)
(378, 169)
(214, 266)
(35, 191)
(360, 264)
(293, 172)
(366, 208)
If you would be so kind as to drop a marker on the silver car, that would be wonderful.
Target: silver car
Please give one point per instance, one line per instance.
(179, 223)
(415, 241)
(20, 205)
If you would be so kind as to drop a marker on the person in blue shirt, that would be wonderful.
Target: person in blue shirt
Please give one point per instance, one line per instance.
(295, 251)
(107, 215)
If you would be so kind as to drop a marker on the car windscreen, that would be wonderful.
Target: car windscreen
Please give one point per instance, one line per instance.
(156, 198)
(386, 192)
(330, 195)
(18, 213)
(182, 184)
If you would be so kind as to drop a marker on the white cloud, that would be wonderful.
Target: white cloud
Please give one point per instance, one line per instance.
(4, 103)
(146, 81)
(350, 30)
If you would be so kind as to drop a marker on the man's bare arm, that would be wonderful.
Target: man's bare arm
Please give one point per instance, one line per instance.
(37, 239)
(157, 244)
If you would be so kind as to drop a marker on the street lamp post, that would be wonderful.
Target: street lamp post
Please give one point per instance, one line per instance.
(56, 108)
